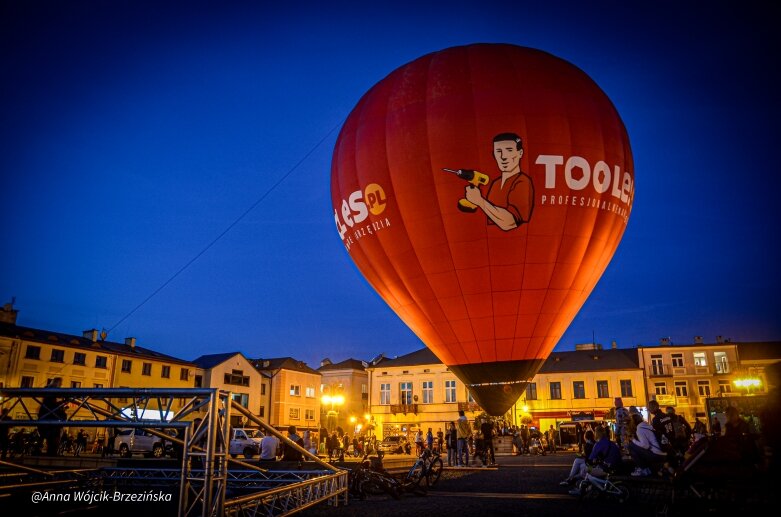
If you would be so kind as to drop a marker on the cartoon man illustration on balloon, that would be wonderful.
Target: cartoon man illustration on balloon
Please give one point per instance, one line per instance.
(509, 202)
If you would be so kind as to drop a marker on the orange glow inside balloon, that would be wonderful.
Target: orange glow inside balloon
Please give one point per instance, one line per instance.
(482, 191)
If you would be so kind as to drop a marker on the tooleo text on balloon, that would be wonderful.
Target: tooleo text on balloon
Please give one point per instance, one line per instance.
(353, 212)
(579, 175)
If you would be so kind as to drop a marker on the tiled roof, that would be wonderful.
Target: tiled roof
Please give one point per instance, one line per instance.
(285, 363)
(592, 360)
(211, 360)
(347, 364)
(578, 361)
(767, 350)
(79, 342)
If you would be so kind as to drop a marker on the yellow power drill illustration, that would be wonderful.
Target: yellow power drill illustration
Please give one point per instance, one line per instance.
(475, 178)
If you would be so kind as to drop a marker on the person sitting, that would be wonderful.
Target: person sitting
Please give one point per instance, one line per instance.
(578, 470)
(269, 447)
(644, 448)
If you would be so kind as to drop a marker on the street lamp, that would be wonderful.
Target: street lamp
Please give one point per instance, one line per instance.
(333, 414)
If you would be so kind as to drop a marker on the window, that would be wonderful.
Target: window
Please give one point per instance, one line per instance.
(531, 391)
(309, 414)
(428, 392)
(80, 358)
(199, 381)
(58, 356)
(295, 390)
(677, 360)
(101, 361)
(385, 394)
(700, 359)
(165, 372)
(725, 387)
(127, 364)
(146, 369)
(236, 378)
(469, 397)
(97, 385)
(310, 392)
(555, 391)
(660, 388)
(75, 384)
(703, 388)
(241, 398)
(295, 413)
(578, 390)
(262, 412)
(657, 367)
(450, 391)
(602, 390)
(27, 382)
(626, 387)
(184, 374)
(363, 388)
(681, 389)
(405, 393)
(720, 362)
(262, 389)
(32, 352)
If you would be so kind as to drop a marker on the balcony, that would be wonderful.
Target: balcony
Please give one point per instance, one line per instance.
(469, 406)
(404, 408)
(669, 370)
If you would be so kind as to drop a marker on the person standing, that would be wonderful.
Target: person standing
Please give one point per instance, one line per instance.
(463, 433)
(5, 427)
(551, 437)
(440, 436)
(622, 420)
(430, 439)
(451, 440)
(487, 429)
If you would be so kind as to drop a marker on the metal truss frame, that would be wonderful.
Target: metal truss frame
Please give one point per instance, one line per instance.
(204, 476)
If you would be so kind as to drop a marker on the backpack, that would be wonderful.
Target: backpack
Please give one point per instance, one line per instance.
(679, 429)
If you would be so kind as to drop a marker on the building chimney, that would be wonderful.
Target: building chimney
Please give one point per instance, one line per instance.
(91, 334)
(665, 341)
(325, 362)
(697, 340)
(130, 341)
(8, 313)
(719, 339)
(613, 344)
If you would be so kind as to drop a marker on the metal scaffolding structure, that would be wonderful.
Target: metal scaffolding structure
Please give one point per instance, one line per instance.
(202, 425)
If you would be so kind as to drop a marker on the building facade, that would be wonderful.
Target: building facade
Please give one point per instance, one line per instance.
(34, 358)
(293, 390)
(415, 391)
(346, 379)
(684, 376)
(581, 385)
(233, 372)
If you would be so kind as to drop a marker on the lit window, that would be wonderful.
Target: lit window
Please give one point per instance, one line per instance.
(310, 392)
(295, 413)
(700, 359)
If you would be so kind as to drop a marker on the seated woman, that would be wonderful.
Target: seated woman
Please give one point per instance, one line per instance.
(644, 448)
(578, 470)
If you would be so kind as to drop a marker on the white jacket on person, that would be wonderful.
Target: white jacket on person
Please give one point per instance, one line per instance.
(646, 438)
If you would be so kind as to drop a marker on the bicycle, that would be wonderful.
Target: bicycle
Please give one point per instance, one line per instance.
(596, 487)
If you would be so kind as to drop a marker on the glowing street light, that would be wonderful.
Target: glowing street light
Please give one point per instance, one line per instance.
(747, 384)
(331, 417)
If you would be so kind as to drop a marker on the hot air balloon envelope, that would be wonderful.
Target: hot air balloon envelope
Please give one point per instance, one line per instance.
(482, 191)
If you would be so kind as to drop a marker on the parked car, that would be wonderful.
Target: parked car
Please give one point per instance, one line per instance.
(246, 442)
(140, 441)
(392, 444)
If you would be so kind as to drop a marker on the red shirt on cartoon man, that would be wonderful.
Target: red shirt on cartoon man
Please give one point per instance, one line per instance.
(510, 199)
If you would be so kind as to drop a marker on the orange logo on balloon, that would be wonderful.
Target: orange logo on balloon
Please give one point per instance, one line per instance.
(374, 197)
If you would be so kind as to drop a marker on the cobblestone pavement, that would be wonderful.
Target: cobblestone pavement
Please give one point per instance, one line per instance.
(521, 485)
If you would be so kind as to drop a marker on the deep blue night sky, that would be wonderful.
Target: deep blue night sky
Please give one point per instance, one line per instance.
(133, 134)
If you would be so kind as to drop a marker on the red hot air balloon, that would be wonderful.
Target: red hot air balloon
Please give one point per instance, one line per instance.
(482, 191)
